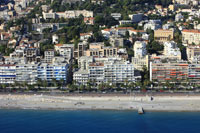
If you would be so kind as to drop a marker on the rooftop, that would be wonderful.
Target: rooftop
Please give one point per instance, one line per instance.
(192, 31)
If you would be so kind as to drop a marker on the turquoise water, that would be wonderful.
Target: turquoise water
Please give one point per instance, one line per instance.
(39, 121)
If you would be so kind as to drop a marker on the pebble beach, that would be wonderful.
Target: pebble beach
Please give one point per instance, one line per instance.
(151, 103)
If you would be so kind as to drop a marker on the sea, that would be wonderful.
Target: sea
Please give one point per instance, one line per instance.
(76, 121)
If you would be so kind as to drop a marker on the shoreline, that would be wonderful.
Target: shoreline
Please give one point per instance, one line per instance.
(167, 103)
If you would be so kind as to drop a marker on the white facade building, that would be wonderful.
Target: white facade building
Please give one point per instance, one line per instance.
(7, 73)
(107, 70)
(55, 38)
(26, 73)
(67, 14)
(140, 49)
(171, 50)
(118, 72)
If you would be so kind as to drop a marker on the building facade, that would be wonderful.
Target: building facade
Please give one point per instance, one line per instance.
(172, 72)
(191, 37)
(99, 50)
(110, 71)
(163, 35)
(193, 52)
(26, 73)
(48, 56)
(67, 14)
(7, 73)
(119, 72)
(49, 72)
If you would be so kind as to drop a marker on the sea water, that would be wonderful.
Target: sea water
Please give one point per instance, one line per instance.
(48, 121)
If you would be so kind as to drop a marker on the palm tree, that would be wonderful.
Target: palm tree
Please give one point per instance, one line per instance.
(101, 86)
(132, 85)
(167, 83)
(138, 84)
(25, 84)
(81, 87)
(39, 83)
(54, 82)
(146, 82)
(61, 83)
(88, 88)
(45, 84)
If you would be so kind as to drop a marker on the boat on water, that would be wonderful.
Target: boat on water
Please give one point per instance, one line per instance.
(140, 110)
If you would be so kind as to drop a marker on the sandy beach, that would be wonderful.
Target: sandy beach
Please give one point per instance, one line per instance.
(148, 103)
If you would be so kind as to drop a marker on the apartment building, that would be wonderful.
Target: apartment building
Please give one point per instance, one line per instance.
(140, 62)
(48, 72)
(122, 30)
(99, 50)
(81, 77)
(175, 72)
(193, 52)
(116, 41)
(82, 48)
(107, 70)
(194, 73)
(139, 49)
(67, 14)
(171, 50)
(169, 71)
(65, 50)
(32, 54)
(48, 56)
(7, 73)
(119, 72)
(96, 72)
(190, 37)
(140, 59)
(153, 25)
(26, 73)
(162, 36)
(84, 61)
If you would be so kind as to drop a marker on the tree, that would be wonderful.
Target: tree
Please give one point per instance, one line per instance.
(101, 87)
(63, 40)
(127, 35)
(154, 47)
(99, 20)
(82, 87)
(98, 37)
(132, 85)
(138, 84)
